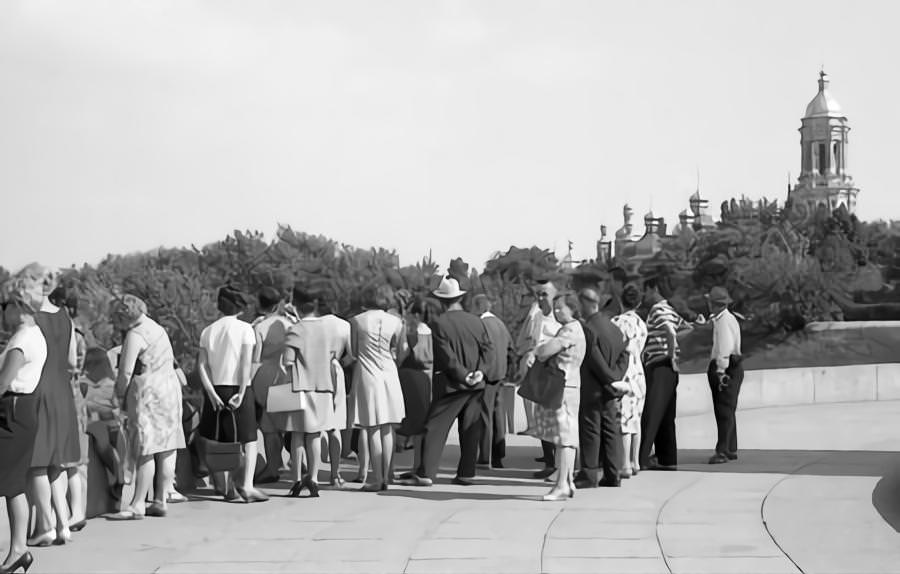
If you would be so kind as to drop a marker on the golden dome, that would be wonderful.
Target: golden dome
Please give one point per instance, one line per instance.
(824, 104)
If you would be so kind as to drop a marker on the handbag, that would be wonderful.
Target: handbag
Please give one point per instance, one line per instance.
(544, 384)
(223, 456)
(285, 398)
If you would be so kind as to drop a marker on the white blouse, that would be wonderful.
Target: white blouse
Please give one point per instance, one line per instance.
(31, 342)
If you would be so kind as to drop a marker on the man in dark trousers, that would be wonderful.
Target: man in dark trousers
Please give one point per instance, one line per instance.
(599, 416)
(493, 441)
(462, 348)
(661, 368)
(725, 373)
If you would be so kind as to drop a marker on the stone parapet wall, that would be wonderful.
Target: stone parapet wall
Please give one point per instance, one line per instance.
(798, 386)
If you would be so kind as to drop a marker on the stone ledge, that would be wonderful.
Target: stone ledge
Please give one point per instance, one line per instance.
(798, 386)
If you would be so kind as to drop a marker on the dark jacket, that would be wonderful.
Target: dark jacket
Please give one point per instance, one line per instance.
(605, 360)
(461, 346)
(501, 349)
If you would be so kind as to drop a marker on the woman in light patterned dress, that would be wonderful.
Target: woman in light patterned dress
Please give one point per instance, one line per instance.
(634, 383)
(149, 387)
(560, 426)
(376, 398)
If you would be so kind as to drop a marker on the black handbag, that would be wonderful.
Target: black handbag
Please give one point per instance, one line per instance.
(544, 384)
(223, 456)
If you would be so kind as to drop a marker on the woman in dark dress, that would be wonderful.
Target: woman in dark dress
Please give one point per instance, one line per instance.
(415, 377)
(57, 442)
(21, 364)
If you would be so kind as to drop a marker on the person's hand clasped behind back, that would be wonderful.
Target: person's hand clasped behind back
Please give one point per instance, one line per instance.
(474, 378)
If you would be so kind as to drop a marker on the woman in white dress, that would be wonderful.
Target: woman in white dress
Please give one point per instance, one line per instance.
(634, 383)
(560, 426)
(376, 398)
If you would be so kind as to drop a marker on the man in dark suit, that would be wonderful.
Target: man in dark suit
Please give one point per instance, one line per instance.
(493, 441)
(462, 348)
(599, 417)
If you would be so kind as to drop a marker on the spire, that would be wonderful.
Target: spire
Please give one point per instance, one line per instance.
(823, 80)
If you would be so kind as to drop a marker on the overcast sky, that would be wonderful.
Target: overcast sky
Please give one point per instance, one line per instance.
(464, 127)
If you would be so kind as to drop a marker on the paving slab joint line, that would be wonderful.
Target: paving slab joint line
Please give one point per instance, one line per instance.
(547, 536)
(662, 551)
(428, 532)
(762, 507)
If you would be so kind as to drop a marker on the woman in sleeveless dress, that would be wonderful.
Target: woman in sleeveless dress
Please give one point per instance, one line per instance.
(151, 392)
(56, 444)
(376, 399)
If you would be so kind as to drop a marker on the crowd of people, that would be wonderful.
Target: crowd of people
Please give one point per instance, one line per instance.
(395, 376)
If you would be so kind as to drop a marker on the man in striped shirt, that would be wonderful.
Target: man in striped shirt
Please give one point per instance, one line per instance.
(661, 368)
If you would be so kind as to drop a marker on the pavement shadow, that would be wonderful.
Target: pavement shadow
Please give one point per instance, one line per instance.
(442, 495)
(800, 462)
(886, 498)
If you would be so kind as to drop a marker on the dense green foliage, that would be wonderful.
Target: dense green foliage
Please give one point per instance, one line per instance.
(783, 270)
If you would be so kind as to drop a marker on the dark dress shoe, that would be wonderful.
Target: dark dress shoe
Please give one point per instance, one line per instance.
(584, 482)
(544, 473)
(662, 467)
(497, 464)
(718, 458)
(609, 483)
(731, 455)
(462, 481)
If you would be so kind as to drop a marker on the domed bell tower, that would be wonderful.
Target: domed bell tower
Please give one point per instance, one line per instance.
(824, 180)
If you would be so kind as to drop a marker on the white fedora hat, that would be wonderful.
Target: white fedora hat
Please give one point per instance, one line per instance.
(448, 289)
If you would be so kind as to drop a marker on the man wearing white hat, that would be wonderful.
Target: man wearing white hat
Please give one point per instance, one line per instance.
(725, 373)
(462, 347)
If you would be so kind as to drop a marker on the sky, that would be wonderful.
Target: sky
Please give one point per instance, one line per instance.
(460, 128)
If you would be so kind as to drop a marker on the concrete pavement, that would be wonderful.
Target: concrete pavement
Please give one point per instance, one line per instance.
(817, 489)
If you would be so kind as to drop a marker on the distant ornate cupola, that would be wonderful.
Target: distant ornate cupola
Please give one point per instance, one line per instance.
(824, 180)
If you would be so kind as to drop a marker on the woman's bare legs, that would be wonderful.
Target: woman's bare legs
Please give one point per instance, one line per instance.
(362, 456)
(297, 449)
(143, 480)
(635, 448)
(387, 453)
(17, 511)
(313, 455)
(375, 446)
(334, 451)
(251, 450)
(77, 483)
(164, 477)
(40, 497)
(626, 453)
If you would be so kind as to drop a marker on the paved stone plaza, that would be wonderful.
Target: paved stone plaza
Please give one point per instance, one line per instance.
(817, 489)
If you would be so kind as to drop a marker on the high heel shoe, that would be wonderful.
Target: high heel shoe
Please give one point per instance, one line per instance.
(313, 488)
(78, 526)
(295, 490)
(373, 487)
(24, 562)
(251, 495)
(42, 540)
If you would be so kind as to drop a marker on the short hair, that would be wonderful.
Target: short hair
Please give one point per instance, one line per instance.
(379, 297)
(268, 298)
(482, 303)
(631, 296)
(230, 301)
(659, 283)
(571, 301)
(618, 274)
(97, 358)
(304, 301)
(58, 296)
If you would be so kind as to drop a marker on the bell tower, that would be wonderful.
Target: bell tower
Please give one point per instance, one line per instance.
(824, 180)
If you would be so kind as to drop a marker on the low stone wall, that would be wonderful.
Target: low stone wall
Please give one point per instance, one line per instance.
(798, 386)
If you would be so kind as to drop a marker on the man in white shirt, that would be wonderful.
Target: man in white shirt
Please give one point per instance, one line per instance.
(226, 356)
(725, 373)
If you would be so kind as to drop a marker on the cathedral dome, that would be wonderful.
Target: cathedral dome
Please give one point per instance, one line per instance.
(824, 104)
